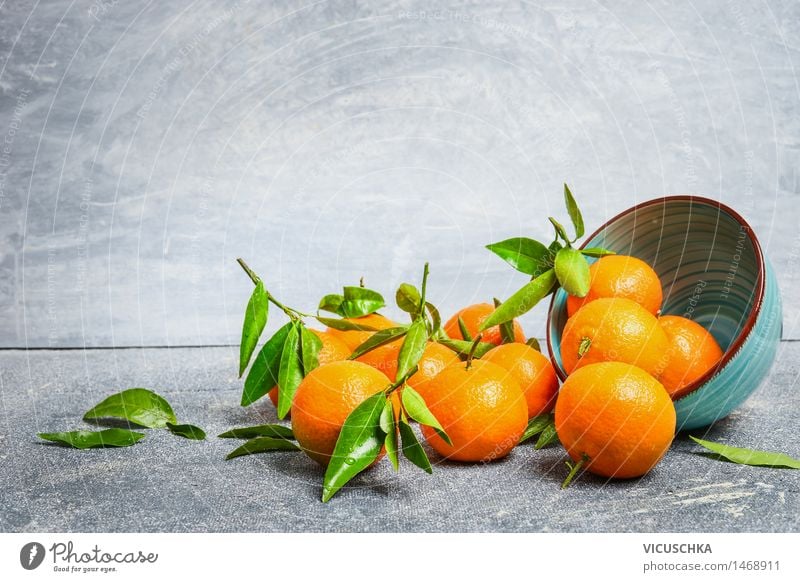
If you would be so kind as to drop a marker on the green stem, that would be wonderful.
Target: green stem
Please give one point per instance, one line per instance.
(574, 469)
(250, 273)
(472, 350)
(399, 382)
(292, 313)
(425, 273)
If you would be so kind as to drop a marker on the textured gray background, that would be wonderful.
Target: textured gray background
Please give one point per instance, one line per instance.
(144, 146)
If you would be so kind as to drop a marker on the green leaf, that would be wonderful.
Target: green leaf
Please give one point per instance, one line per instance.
(310, 345)
(415, 406)
(523, 300)
(572, 272)
(534, 343)
(436, 318)
(262, 445)
(88, 439)
(360, 301)
(560, 231)
(463, 347)
(574, 212)
(248, 432)
(596, 252)
(255, 318)
(388, 427)
(358, 445)
(344, 325)
(263, 375)
(536, 425)
(188, 431)
(378, 339)
(553, 248)
(412, 450)
(750, 456)
(413, 347)
(524, 254)
(548, 436)
(462, 328)
(331, 303)
(135, 405)
(506, 329)
(290, 373)
(408, 298)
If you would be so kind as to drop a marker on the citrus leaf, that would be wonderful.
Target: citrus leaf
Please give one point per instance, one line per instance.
(135, 405)
(463, 347)
(255, 319)
(310, 345)
(546, 437)
(415, 406)
(536, 425)
(560, 231)
(412, 450)
(524, 254)
(596, 252)
(554, 247)
(523, 300)
(413, 347)
(248, 432)
(290, 373)
(88, 439)
(436, 318)
(331, 303)
(573, 211)
(262, 444)
(408, 298)
(572, 271)
(360, 301)
(388, 426)
(263, 375)
(506, 329)
(343, 324)
(358, 445)
(462, 328)
(750, 456)
(187, 431)
(378, 339)
(533, 343)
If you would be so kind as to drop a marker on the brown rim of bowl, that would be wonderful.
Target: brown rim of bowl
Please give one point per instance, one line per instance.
(751, 318)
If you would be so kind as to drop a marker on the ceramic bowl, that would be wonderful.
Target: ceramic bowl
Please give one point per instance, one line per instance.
(712, 270)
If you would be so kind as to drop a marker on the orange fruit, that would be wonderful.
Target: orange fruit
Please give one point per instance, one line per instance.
(621, 276)
(614, 330)
(354, 338)
(532, 370)
(474, 316)
(324, 400)
(616, 414)
(481, 408)
(693, 351)
(332, 350)
(434, 359)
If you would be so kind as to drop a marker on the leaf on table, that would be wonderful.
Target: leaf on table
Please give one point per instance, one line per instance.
(358, 445)
(547, 437)
(248, 432)
(88, 439)
(255, 319)
(188, 431)
(752, 457)
(263, 375)
(262, 444)
(536, 425)
(135, 405)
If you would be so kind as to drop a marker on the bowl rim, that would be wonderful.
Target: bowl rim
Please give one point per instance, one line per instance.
(749, 324)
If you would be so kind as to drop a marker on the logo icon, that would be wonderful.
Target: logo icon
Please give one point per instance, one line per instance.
(31, 555)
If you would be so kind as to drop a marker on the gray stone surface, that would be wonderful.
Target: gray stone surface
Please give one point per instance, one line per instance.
(149, 144)
(165, 483)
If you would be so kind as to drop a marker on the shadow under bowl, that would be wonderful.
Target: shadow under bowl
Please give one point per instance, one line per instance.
(712, 270)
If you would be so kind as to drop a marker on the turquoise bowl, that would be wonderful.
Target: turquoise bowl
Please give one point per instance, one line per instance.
(712, 270)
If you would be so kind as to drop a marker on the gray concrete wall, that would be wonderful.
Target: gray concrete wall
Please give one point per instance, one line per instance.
(144, 146)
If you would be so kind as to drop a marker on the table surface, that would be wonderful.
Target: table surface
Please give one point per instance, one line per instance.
(166, 483)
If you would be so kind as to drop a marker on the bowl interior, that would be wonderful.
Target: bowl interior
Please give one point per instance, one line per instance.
(708, 260)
